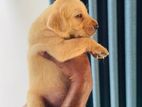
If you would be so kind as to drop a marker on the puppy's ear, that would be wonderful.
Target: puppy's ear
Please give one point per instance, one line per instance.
(57, 23)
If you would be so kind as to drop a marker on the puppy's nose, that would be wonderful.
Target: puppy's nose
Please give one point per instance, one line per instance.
(96, 26)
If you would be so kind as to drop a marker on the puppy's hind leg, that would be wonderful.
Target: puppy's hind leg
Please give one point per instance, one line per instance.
(35, 101)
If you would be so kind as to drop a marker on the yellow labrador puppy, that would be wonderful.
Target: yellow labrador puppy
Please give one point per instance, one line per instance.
(59, 69)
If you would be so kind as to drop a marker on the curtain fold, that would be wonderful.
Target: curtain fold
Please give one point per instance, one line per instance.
(130, 52)
(94, 63)
(113, 57)
(139, 53)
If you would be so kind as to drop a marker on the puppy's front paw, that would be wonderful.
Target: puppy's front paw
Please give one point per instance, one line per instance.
(99, 52)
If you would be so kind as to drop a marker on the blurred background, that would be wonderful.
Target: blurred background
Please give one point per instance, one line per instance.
(117, 79)
(16, 17)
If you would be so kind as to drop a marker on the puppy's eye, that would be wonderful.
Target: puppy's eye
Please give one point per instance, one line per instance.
(79, 16)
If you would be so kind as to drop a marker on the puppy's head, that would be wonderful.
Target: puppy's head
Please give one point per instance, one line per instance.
(69, 18)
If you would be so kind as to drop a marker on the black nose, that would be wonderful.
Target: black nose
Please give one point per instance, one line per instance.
(96, 26)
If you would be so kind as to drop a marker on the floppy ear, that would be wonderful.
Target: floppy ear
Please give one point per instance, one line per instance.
(56, 22)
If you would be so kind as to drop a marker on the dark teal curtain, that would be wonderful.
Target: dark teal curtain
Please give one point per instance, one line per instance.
(139, 53)
(120, 75)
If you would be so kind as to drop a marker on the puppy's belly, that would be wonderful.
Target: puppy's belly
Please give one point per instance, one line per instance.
(46, 79)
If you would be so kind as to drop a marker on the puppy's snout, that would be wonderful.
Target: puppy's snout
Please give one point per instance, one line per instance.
(96, 26)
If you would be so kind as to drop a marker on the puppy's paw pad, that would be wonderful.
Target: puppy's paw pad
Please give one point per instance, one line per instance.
(100, 52)
(101, 56)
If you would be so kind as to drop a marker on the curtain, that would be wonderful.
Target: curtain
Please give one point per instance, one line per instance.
(120, 75)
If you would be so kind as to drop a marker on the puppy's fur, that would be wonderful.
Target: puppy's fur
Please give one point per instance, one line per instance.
(59, 70)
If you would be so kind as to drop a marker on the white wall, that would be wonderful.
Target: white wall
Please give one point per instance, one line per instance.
(16, 17)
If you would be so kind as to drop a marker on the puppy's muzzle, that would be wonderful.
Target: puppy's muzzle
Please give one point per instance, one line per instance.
(92, 29)
(96, 26)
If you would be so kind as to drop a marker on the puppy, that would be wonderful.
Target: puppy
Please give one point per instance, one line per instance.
(59, 69)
